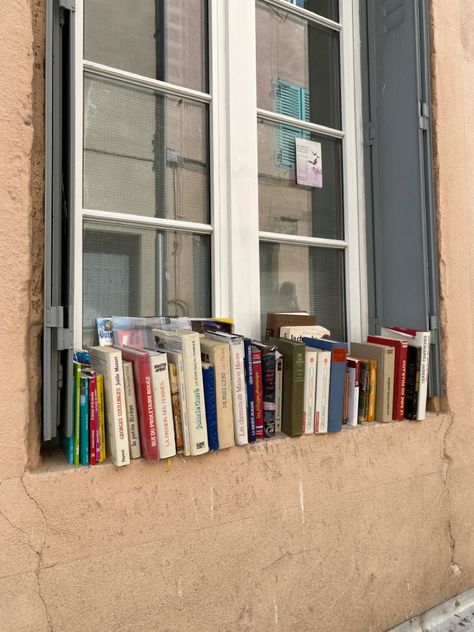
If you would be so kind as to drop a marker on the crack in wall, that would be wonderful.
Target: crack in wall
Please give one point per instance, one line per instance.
(455, 567)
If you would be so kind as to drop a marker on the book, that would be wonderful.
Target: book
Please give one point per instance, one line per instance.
(132, 412)
(321, 404)
(353, 367)
(385, 357)
(275, 320)
(364, 378)
(293, 354)
(108, 362)
(101, 412)
(217, 353)
(278, 390)
(177, 420)
(77, 410)
(177, 359)
(145, 403)
(201, 325)
(250, 390)
(67, 444)
(421, 339)
(237, 370)
(187, 343)
(399, 372)
(308, 331)
(94, 446)
(412, 382)
(268, 387)
(104, 332)
(337, 378)
(345, 399)
(84, 430)
(309, 390)
(163, 407)
(258, 389)
(208, 380)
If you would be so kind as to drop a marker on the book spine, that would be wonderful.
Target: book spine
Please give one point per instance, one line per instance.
(178, 428)
(309, 391)
(336, 388)
(225, 414)
(362, 408)
(101, 414)
(323, 372)
(268, 374)
(84, 435)
(411, 395)
(353, 397)
(278, 391)
(120, 453)
(183, 404)
(258, 386)
(195, 395)
(345, 401)
(146, 408)
(403, 379)
(77, 410)
(372, 390)
(423, 339)
(238, 391)
(250, 390)
(163, 407)
(131, 403)
(389, 366)
(93, 421)
(208, 377)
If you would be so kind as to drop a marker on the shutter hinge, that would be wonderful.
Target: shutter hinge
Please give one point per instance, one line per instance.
(434, 326)
(424, 116)
(54, 319)
(54, 316)
(64, 339)
(69, 5)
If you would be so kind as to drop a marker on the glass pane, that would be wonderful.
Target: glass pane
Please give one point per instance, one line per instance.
(145, 153)
(294, 278)
(297, 67)
(155, 38)
(326, 8)
(291, 208)
(134, 271)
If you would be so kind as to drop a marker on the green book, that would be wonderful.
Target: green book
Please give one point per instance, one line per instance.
(293, 384)
(76, 385)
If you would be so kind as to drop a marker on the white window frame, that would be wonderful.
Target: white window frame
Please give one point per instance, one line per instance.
(234, 227)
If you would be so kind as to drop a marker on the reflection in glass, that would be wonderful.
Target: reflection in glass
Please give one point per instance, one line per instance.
(297, 67)
(326, 8)
(291, 208)
(132, 271)
(302, 278)
(145, 153)
(155, 38)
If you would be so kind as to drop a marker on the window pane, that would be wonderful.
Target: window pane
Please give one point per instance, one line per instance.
(326, 8)
(145, 153)
(132, 271)
(294, 278)
(297, 67)
(155, 38)
(288, 207)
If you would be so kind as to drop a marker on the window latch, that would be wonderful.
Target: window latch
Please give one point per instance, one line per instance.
(424, 116)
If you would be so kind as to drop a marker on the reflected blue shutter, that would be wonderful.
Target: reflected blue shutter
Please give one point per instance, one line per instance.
(401, 244)
(291, 101)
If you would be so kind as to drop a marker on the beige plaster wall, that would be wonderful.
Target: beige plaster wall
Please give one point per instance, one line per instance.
(355, 532)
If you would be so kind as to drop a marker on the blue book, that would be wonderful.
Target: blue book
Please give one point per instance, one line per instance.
(84, 421)
(336, 380)
(250, 387)
(67, 444)
(211, 406)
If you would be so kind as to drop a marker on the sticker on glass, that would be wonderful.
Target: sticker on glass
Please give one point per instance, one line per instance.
(309, 163)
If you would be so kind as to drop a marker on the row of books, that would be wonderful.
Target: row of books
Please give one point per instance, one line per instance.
(176, 390)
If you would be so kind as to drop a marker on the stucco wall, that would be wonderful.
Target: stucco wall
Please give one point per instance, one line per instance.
(356, 531)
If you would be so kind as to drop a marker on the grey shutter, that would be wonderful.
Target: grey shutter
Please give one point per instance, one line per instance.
(59, 238)
(402, 254)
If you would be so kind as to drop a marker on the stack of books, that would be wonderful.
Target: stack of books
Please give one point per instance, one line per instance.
(158, 389)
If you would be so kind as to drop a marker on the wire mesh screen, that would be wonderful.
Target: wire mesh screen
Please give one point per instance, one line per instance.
(133, 271)
(145, 153)
(302, 278)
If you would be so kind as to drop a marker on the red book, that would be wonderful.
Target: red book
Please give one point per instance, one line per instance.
(258, 386)
(399, 373)
(145, 404)
(93, 419)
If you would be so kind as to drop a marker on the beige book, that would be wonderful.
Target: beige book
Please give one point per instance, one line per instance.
(385, 357)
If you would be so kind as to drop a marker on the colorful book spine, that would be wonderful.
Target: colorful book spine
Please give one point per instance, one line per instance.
(353, 366)
(412, 382)
(178, 428)
(77, 410)
(258, 390)
(278, 390)
(93, 419)
(84, 431)
(268, 374)
(250, 390)
(101, 411)
(163, 407)
(177, 359)
(208, 379)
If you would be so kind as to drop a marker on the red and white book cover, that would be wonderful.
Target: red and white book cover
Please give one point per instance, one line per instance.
(163, 405)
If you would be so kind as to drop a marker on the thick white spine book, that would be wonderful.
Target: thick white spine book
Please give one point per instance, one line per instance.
(163, 405)
(309, 391)
(323, 374)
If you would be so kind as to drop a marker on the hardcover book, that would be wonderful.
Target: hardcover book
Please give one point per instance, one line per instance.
(94, 445)
(250, 390)
(321, 406)
(84, 431)
(178, 424)
(385, 357)
(293, 384)
(412, 391)
(353, 366)
(275, 320)
(77, 410)
(268, 386)
(399, 372)
(258, 386)
(177, 359)
(308, 331)
(278, 390)
(163, 407)
(101, 410)
(337, 378)
(211, 407)
(309, 390)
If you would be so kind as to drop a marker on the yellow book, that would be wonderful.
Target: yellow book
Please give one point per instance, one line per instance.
(100, 401)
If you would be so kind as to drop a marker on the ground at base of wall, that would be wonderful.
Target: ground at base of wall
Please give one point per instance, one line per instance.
(454, 615)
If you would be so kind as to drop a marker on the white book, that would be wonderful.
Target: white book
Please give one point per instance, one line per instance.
(163, 406)
(323, 374)
(177, 358)
(187, 343)
(278, 390)
(239, 395)
(132, 414)
(108, 362)
(352, 398)
(422, 339)
(309, 390)
(294, 332)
